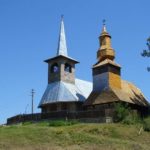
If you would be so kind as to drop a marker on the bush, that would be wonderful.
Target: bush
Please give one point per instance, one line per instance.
(57, 123)
(125, 115)
(121, 111)
(27, 123)
(132, 119)
(146, 124)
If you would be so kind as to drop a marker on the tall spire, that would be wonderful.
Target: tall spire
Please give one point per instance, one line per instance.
(62, 46)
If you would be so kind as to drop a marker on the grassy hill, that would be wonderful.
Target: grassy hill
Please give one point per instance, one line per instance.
(80, 136)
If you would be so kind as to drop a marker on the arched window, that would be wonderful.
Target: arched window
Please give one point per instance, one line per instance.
(54, 68)
(68, 68)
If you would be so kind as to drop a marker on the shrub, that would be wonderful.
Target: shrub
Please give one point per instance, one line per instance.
(125, 115)
(146, 124)
(57, 123)
(27, 123)
(121, 111)
(132, 119)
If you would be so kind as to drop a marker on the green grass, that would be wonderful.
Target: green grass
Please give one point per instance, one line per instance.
(61, 135)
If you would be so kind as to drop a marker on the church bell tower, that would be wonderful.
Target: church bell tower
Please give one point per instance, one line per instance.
(64, 92)
(106, 73)
(61, 67)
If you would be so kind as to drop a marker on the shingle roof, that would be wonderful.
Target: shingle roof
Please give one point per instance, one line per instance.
(104, 62)
(66, 92)
(128, 93)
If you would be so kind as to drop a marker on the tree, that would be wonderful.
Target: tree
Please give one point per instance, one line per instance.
(146, 53)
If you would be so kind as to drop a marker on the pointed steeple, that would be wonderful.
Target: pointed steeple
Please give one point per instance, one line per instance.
(62, 51)
(62, 46)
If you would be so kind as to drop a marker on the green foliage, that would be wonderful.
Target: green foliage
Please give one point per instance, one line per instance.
(146, 124)
(27, 123)
(43, 123)
(132, 119)
(57, 123)
(121, 111)
(125, 115)
(146, 53)
(54, 123)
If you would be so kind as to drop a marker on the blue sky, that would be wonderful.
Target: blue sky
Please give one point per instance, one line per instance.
(29, 34)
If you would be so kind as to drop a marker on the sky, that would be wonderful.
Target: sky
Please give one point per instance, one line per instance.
(29, 32)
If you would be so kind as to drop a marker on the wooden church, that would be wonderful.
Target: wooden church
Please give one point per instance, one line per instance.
(66, 93)
(68, 97)
(108, 87)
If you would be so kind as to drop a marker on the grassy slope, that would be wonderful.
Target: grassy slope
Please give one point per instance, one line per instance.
(75, 137)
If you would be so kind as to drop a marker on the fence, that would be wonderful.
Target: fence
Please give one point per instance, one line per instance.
(97, 115)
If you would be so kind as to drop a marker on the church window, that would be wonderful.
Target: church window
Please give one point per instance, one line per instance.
(54, 68)
(67, 68)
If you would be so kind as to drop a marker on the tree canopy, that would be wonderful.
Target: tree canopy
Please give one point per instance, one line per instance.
(146, 52)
